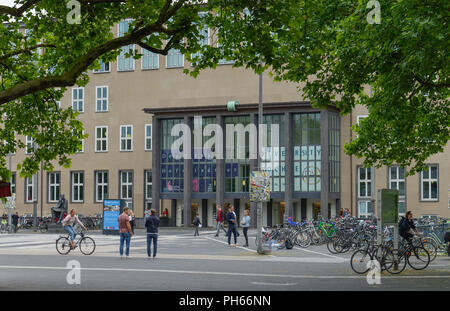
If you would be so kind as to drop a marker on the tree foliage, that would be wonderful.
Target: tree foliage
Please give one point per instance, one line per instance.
(328, 47)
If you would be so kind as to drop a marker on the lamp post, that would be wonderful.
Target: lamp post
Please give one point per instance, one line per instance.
(260, 122)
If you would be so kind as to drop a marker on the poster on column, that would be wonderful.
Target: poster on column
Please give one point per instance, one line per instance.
(111, 212)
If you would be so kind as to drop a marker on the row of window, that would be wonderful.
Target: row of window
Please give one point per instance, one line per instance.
(101, 139)
(126, 138)
(150, 60)
(77, 186)
(101, 99)
(429, 187)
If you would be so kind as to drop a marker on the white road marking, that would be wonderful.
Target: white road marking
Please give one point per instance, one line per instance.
(273, 284)
(310, 251)
(291, 276)
(244, 248)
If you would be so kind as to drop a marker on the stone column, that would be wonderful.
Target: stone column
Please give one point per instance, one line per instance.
(289, 168)
(220, 167)
(156, 164)
(324, 163)
(253, 166)
(187, 192)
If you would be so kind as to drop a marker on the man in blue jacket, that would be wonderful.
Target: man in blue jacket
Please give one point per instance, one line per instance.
(152, 224)
(231, 220)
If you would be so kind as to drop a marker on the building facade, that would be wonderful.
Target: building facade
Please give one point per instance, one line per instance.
(130, 106)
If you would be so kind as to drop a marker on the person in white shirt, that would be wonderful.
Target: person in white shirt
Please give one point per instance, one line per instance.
(68, 224)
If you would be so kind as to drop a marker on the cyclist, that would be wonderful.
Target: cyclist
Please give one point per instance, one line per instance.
(68, 223)
(406, 227)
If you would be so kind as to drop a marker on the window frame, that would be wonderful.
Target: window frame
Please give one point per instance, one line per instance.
(430, 180)
(50, 185)
(101, 139)
(103, 71)
(72, 185)
(78, 100)
(365, 181)
(103, 185)
(34, 193)
(148, 137)
(131, 46)
(127, 199)
(401, 198)
(121, 138)
(102, 98)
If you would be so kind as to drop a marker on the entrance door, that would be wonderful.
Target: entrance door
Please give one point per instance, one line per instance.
(316, 210)
(281, 212)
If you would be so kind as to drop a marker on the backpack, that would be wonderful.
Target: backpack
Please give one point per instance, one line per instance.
(196, 221)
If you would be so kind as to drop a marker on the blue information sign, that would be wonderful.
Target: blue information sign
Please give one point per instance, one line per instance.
(111, 213)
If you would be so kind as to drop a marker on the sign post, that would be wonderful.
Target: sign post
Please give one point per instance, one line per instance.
(259, 193)
(387, 214)
(111, 212)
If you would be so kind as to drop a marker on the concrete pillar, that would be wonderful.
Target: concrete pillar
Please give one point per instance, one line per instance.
(289, 160)
(269, 213)
(205, 212)
(156, 164)
(253, 167)
(187, 193)
(220, 167)
(173, 213)
(324, 163)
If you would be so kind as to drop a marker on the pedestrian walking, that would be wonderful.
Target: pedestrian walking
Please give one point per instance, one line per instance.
(219, 220)
(125, 232)
(152, 224)
(15, 221)
(245, 225)
(231, 220)
(132, 222)
(196, 223)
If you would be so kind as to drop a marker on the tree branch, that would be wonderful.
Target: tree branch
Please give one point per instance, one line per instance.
(430, 84)
(29, 49)
(17, 12)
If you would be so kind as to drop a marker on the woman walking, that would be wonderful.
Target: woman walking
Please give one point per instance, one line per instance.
(245, 225)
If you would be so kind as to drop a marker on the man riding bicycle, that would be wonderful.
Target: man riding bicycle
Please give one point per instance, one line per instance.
(68, 224)
(406, 228)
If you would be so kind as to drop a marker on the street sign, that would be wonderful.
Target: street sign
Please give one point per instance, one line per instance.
(11, 202)
(259, 186)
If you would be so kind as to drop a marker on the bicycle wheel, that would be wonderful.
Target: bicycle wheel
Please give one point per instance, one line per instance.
(303, 239)
(63, 245)
(87, 245)
(393, 264)
(359, 261)
(418, 258)
(431, 249)
(331, 246)
(43, 228)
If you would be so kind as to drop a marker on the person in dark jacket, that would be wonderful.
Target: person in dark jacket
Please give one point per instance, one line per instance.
(406, 227)
(231, 220)
(15, 221)
(196, 223)
(152, 224)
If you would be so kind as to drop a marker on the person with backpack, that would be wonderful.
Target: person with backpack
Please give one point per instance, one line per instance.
(196, 223)
(406, 227)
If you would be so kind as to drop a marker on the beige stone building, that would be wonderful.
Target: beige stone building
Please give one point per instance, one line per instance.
(126, 154)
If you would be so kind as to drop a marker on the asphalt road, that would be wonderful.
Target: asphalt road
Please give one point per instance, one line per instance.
(185, 262)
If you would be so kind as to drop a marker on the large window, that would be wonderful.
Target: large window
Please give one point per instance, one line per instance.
(174, 59)
(397, 181)
(104, 67)
(30, 193)
(307, 152)
(29, 142)
(273, 157)
(78, 99)
(126, 187)
(126, 138)
(364, 182)
(334, 152)
(429, 183)
(54, 186)
(237, 171)
(101, 185)
(172, 170)
(125, 62)
(77, 187)
(365, 208)
(149, 60)
(204, 169)
(101, 138)
(203, 38)
(148, 182)
(101, 99)
(148, 137)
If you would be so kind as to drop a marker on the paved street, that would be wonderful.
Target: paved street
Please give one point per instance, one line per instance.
(29, 261)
